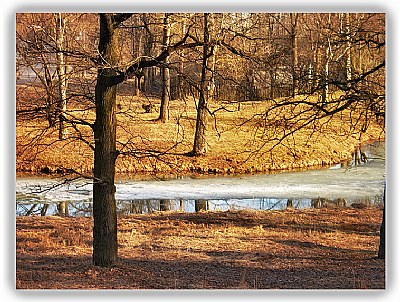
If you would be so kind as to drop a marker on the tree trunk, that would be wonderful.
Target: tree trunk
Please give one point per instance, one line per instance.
(136, 48)
(104, 207)
(181, 93)
(211, 60)
(148, 77)
(200, 143)
(325, 91)
(317, 63)
(381, 251)
(294, 51)
(136, 86)
(328, 58)
(348, 51)
(166, 80)
(62, 78)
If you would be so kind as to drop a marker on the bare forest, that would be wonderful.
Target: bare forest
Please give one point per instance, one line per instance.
(160, 95)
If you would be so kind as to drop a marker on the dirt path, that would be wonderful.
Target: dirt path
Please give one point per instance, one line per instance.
(291, 249)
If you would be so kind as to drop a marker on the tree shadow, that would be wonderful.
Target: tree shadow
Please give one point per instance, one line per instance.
(77, 272)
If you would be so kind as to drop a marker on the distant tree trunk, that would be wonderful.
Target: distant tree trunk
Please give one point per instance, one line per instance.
(136, 48)
(317, 63)
(381, 251)
(294, 50)
(136, 86)
(272, 75)
(325, 91)
(62, 78)
(181, 92)
(166, 80)
(211, 61)
(348, 51)
(181, 87)
(148, 76)
(200, 143)
(104, 206)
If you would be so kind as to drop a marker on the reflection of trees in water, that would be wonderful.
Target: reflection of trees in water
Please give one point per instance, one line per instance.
(85, 208)
(34, 209)
(126, 207)
(341, 202)
(201, 205)
(63, 209)
(325, 202)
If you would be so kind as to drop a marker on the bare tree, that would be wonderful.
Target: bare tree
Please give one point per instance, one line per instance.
(105, 152)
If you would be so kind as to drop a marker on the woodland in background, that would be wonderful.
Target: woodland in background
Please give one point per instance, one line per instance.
(306, 67)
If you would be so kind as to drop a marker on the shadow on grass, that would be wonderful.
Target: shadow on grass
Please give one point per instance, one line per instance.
(240, 272)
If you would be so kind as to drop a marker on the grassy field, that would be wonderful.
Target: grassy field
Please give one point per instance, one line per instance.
(291, 249)
(239, 141)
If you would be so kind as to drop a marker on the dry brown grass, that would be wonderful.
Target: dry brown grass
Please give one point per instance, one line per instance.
(237, 141)
(314, 248)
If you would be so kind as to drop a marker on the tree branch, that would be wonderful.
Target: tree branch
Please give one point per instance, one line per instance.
(135, 68)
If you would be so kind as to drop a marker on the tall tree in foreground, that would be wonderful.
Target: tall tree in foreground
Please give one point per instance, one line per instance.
(105, 152)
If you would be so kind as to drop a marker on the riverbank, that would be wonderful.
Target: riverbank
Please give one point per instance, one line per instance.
(238, 141)
(291, 249)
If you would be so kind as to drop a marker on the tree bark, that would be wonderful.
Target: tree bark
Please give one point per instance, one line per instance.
(62, 78)
(137, 41)
(200, 143)
(294, 51)
(325, 91)
(166, 80)
(348, 51)
(181, 90)
(104, 207)
(381, 251)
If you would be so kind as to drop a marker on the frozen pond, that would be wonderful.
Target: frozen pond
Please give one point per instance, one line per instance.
(341, 184)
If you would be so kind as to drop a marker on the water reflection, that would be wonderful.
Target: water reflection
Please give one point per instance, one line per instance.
(126, 207)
